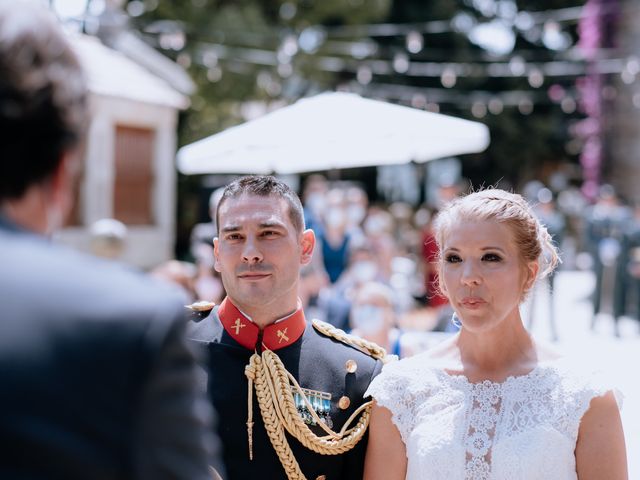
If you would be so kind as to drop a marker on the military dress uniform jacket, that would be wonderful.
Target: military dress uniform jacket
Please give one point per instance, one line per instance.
(316, 361)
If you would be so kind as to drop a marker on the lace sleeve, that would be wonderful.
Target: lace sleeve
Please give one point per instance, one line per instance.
(393, 389)
(580, 391)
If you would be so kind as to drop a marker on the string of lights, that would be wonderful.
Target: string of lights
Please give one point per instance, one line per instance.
(352, 50)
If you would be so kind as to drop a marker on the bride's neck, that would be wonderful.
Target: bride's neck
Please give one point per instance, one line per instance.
(507, 350)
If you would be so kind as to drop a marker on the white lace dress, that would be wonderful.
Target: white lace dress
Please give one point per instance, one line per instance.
(524, 428)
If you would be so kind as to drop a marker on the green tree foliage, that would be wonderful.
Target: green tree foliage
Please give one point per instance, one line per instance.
(254, 27)
(523, 146)
(234, 50)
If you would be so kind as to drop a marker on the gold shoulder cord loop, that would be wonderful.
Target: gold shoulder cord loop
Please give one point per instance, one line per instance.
(273, 386)
(372, 349)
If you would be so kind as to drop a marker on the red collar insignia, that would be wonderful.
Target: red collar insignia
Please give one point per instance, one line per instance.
(246, 333)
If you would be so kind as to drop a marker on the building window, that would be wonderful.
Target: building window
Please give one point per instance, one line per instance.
(133, 186)
(75, 217)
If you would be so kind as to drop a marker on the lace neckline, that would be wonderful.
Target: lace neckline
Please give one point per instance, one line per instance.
(485, 410)
(463, 379)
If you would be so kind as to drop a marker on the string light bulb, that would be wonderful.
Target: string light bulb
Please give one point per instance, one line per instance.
(449, 77)
(496, 106)
(414, 41)
(401, 62)
(535, 78)
(364, 75)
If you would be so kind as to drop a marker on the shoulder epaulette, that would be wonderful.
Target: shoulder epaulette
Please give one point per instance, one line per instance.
(365, 346)
(200, 310)
(201, 306)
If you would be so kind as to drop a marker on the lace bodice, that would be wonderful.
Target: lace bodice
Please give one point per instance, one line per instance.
(523, 428)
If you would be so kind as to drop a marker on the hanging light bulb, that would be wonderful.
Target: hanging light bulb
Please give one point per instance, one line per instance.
(448, 77)
(418, 101)
(535, 78)
(287, 11)
(556, 92)
(311, 38)
(633, 65)
(553, 37)
(496, 106)
(285, 70)
(627, 77)
(289, 45)
(517, 66)
(568, 105)
(401, 62)
(172, 40)
(525, 106)
(364, 75)
(414, 41)
(524, 21)
(135, 8)
(462, 22)
(210, 58)
(184, 60)
(214, 74)
(263, 79)
(478, 109)
(631, 70)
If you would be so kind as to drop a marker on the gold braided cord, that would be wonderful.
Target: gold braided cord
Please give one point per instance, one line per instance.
(365, 346)
(332, 444)
(256, 374)
(273, 383)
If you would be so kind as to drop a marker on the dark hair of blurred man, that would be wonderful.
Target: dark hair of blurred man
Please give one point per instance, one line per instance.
(97, 381)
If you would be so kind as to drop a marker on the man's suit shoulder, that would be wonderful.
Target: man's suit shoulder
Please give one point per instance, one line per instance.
(203, 325)
(61, 281)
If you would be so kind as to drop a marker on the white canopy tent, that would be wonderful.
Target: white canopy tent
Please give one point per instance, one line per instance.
(333, 130)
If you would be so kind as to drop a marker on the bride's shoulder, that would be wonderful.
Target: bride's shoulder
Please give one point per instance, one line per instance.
(574, 377)
(425, 366)
(404, 379)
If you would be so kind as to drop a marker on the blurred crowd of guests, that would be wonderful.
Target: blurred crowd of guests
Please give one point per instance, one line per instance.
(374, 268)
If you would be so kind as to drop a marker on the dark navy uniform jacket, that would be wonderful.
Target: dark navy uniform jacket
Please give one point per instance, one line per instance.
(316, 361)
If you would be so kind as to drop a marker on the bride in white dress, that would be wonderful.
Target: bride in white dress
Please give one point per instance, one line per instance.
(491, 403)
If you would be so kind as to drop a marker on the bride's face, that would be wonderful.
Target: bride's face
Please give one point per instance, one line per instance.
(483, 274)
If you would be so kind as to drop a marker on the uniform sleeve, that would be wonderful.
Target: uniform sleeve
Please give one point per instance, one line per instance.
(174, 437)
(392, 390)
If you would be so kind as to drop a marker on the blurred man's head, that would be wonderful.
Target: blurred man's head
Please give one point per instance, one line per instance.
(43, 115)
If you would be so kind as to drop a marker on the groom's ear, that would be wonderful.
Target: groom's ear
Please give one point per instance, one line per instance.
(308, 242)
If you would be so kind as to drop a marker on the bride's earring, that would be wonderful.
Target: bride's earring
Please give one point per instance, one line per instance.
(456, 321)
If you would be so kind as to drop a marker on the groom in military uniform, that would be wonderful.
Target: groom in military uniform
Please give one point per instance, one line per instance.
(288, 390)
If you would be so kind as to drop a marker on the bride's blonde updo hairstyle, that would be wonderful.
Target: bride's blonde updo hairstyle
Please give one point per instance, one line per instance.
(531, 237)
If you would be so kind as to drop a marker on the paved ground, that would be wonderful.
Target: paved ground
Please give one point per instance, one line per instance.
(619, 358)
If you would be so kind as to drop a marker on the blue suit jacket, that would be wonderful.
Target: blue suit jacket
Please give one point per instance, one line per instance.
(96, 380)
